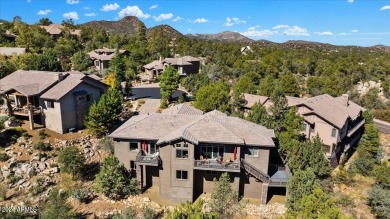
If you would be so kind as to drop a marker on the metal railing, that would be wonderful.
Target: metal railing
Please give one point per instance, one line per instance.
(152, 159)
(214, 165)
(252, 170)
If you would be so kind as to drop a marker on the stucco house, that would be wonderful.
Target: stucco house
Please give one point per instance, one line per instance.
(337, 120)
(57, 100)
(182, 150)
(102, 57)
(184, 65)
(55, 30)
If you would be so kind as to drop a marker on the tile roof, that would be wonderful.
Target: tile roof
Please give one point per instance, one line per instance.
(159, 65)
(9, 51)
(205, 128)
(94, 54)
(251, 99)
(150, 106)
(55, 29)
(183, 108)
(64, 86)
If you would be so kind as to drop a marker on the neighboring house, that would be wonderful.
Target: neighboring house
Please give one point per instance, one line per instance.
(182, 150)
(8, 36)
(58, 100)
(184, 65)
(102, 57)
(337, 120)
(55, 30)
(245, 50)
(10, 51)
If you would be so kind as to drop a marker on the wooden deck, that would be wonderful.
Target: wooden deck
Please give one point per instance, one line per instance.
(214, 165)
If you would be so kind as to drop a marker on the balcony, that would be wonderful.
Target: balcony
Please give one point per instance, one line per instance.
(147, 159)
(217, 166)
(357, 127)
(24, 111)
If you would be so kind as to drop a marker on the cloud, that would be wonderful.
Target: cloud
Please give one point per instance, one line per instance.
(44, 12)
(233, 21)
(326, 33)
(354, 31)
(133, 11)
(71, 15)
(386, 7)
(72, 2)
(86, 8)
(90, 15)
(200, 20)
(259, 33)
(163, 17)
(178, 18)
(153, 7)
(350, 1)
(280, 26)
(252, 28)
(296, 31)
(110, 7)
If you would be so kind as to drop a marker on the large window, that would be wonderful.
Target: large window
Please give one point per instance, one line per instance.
(50, 104)
(334, 131)
(181, 150)
(153, 148)
(212, 151)
(133, 146)
(253, 152)
(181, 174)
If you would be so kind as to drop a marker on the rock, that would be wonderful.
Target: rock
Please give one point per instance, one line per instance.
(30, 172)
(18, 172)
(43, 159)
(86, 150)
(145, 199)
(8, 149)
(35, 158)
(6, 173)
(41, 166)
(20, 154)
(24, 167)
(20, 182)
(343, 187)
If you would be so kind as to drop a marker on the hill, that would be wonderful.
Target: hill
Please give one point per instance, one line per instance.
(166, 29)
(126, 25)
(223, 36)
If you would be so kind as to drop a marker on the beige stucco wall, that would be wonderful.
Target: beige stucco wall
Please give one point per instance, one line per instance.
(52, 116)
(123, 153)
(261, 162)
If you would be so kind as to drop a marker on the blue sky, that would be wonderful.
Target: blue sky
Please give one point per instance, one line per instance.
(340, 22)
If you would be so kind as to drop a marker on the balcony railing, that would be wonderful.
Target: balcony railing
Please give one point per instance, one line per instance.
(217, 166)
(24, 111)
(149, 160)
(252, 170)
(357, 127)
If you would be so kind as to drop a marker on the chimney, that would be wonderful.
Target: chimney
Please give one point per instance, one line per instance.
(58, 76)
(345, 99)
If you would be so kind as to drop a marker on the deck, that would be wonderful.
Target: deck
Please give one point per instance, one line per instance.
(148, 160)
(216, 166)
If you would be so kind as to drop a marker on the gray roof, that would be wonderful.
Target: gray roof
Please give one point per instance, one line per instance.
(183, 108)
(9, 51)
(181, 61)
(150, 106)
(108, 54)
(55, 29)
(29, 83)
(165, 128)
(251, 99)
(154, 65)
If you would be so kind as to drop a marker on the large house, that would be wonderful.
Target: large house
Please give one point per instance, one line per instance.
(55, 30)
(184, 65)
(57, 100)
(337, 120)
(182, 150)
(102, 57)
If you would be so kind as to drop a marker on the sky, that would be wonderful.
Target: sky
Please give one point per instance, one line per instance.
(339, 22)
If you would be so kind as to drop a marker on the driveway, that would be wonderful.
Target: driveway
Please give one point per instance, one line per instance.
(382, 126)
(151, 91)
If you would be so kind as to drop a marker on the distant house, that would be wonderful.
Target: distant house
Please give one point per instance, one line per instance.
(57, 100)
(337, 120)
(55, 30)
(184, 65)
(245, 50)
(182, 150)
(10, 51)
(8, 36)
(102, 57)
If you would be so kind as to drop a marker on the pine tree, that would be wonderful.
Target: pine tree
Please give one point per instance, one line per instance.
(57, 207)
(169, 82)
(117, 65)
(72, 161)
(259, 115)
(300, 184)
(213, 96)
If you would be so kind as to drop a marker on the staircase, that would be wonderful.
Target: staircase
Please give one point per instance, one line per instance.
(252, 170)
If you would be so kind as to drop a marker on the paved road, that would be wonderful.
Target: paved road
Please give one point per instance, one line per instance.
(382, 126)
(151, 91)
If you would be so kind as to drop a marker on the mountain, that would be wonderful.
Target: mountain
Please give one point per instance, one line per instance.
(166, 29)
(126, 25)
(223, 36)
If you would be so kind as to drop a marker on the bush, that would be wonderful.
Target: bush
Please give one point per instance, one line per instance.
(42, 134)
(13, 179)
(3, 157)
(379, 200)
(382, 174)
(2, 121)
(42, 146)
(363, 164)
(36, 190)
(25, 135)
(107, 144)
(150, 213)
(72, 161)
(57, 206)
(82, 195)
(128, 213)
(3, 192)
(345, 201)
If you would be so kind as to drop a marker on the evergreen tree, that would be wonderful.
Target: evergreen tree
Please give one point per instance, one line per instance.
(278, 108)
(224, 198)
(117, 65)
(81, 61)
(370, 140)
(289, 84)
(190, 210)
(259, 115)
(300, 184)
(57, 207)
(266, 86)
(169, 83)
(71, 160)
(113, 180)
(213, 96)
(379, 200)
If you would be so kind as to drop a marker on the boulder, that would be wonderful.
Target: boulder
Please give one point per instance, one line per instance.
(86, 150)
(41, 165)
(20, 182)
(6, 173)
(30, 172)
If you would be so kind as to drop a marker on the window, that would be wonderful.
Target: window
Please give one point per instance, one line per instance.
(132, 164)
(181, 174)
(89, 97)
(304, 126)
(97, 63)
(50, 104)
(334, 131)
(181, 150)
(312, 128)
(212, 152)
(133, 146)
(210, 172)
(253, 152)
(153, 148)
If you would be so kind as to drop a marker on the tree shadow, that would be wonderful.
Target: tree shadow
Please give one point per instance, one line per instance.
(90, 170)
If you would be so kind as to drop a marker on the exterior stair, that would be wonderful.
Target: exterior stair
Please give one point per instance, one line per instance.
(252, 170)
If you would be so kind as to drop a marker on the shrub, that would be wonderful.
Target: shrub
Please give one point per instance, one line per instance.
(2, 121)
(25, 135)
(379, 200)
(107, 144)
(4, 157)
(42, 146)
(345, 201)
(72, 161)
(36, 190)
(128, 213)
(3, 192)
(82, 195)
(150, 213)
(13, 178)
(363, 164)
(42, 134)
(141, 101)
(57, 206)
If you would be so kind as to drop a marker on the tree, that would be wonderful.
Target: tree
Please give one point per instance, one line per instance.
(289, 84)
(259, 115)
(310, 154)
(213, 96)
(190, 210)
(382, 173)
(114, 180)
(278, 108)
(266, 86)
(56, 206)
(300, 184)
(379, 200)
(316, 205)
(107, 144)
(45, 21)
(169, 83)
(370, 140)
(81, 61)
(72, 161)
(224, 198)
(117, 65)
